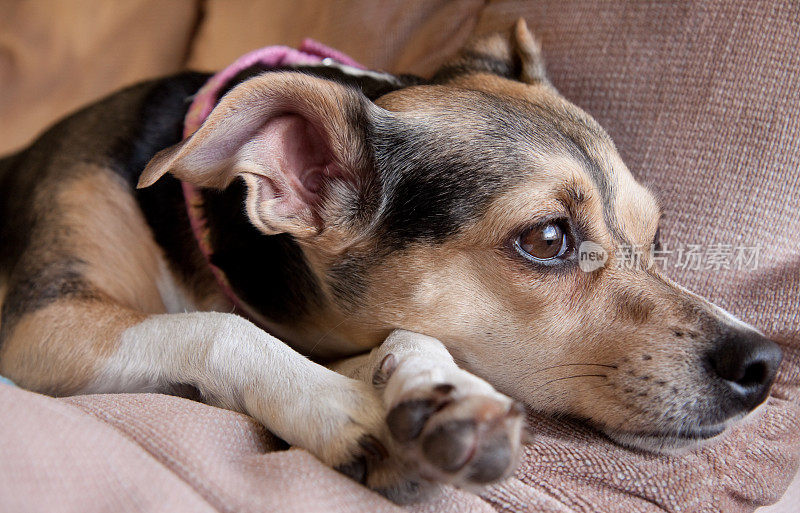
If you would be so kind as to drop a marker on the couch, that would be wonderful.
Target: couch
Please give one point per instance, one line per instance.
(701, 98)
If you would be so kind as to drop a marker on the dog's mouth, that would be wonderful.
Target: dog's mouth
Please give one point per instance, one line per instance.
(667, 441)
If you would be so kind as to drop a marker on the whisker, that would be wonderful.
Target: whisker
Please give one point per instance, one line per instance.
(574, 364)
(569, 377)
(537, 371)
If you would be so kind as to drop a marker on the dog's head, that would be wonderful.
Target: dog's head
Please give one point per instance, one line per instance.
(484, 209)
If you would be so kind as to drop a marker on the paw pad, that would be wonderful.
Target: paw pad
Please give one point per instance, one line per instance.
(407, 420)
(450, 445)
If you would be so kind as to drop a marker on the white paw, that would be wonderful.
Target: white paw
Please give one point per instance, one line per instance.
(341, 422)
(452, 426)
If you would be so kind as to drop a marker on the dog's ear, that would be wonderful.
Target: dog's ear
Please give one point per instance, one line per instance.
(514, 54)
(298, 141)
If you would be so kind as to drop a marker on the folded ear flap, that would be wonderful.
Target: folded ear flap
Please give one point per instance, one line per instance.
(514, 54)
(297, 141)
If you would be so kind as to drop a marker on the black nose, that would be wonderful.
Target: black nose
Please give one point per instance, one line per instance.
(747, 363)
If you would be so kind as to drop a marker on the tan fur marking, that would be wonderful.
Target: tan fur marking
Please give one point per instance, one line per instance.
(109, 233)
(78, 335)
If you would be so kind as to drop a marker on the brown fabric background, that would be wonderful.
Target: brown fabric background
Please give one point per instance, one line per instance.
(409, 35)
(701, 98)
(56, 56)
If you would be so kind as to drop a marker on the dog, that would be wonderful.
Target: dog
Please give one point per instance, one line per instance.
(407, 248)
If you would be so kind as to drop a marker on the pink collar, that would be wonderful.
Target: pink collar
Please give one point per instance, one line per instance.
(310, 52)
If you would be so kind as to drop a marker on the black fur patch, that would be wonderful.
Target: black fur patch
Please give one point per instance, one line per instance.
(370, 86)
(165, 211)
(349, 277)
(121, 133)
(438, 178)
(32, 289)
(268, 272)
(162, 112)
(435, 183)
(156, 122)
(16, 218)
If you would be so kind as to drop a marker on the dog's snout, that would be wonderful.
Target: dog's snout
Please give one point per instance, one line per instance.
(747, 363)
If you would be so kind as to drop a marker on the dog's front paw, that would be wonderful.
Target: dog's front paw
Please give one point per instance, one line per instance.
(452, 426)
(339, 420)
(356, 439)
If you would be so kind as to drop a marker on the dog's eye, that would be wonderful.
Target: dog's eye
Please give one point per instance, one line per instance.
(544, 242)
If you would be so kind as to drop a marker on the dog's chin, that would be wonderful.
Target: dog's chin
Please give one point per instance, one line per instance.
(670, 443)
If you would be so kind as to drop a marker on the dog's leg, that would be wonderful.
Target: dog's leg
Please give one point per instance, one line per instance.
(85, 311)
(91, 345)
(450, 425)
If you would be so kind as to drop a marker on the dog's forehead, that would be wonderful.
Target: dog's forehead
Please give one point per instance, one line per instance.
(497, 135)
(533, 122)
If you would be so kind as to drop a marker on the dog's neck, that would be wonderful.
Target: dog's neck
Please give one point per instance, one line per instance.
(271, 278)
(268, 278)
(267, 275)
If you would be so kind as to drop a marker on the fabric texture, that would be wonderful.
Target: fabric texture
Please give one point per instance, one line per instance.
(58, 56)
(701, 100)
(397, 35)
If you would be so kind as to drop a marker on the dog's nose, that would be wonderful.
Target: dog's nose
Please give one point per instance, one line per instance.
(747, 363)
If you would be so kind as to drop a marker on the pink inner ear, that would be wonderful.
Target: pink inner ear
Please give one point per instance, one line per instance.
(297, 160)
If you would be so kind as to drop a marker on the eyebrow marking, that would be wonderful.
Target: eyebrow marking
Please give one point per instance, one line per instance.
(575, 194)
(573, 197)
(600, 178)
(574, 134)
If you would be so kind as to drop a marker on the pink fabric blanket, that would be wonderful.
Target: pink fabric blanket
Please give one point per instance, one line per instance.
(149, 452)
